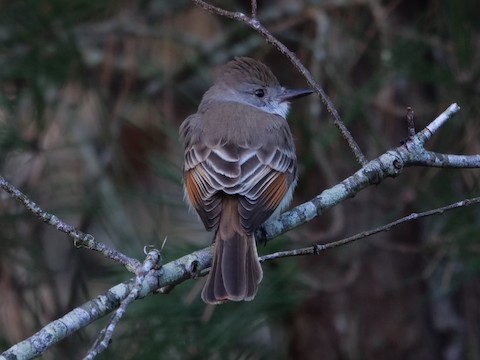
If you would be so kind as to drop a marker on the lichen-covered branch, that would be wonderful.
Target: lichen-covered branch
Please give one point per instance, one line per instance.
(171, 273)
(150, 265)
(389, 164)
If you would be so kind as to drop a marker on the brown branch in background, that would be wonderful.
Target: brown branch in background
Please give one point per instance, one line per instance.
(80, 239)
(257, 26)
(318, 248)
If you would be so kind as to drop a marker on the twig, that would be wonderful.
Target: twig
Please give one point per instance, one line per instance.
(410, 122)
(420, 156)
(80, 239)
(254, 9)
(152, 262)
(436, 124)
(317, 248)
(434, 159)
(257, 26)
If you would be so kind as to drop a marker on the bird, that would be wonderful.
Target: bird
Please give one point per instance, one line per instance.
(240, 169)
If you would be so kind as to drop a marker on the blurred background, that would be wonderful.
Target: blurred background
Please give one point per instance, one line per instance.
(91, 97)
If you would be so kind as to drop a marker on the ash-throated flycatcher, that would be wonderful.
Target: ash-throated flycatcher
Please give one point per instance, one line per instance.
(240, 168)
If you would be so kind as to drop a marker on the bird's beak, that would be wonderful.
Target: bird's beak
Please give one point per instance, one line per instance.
(292, 94)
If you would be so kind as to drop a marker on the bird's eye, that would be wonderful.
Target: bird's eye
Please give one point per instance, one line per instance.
(259, 93)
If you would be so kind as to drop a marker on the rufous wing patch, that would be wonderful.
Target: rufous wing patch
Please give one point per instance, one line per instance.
(192, 187)
(276, 191)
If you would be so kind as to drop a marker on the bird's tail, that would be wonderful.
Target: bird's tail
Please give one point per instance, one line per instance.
(236, 271)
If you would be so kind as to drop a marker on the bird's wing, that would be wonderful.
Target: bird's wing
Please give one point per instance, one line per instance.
(258, 169)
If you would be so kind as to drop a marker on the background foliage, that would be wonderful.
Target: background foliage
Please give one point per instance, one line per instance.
(91, 97)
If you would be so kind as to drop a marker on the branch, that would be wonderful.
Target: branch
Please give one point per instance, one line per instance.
(317, 248)
(389, 164)
(151, 264)
(171, 273)
(436, 124)
(80, 239)
(420, 156)
(257, 26)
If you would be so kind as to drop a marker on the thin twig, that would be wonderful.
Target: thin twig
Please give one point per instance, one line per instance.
(80, 239)
(254, 9)
(410, 122)
(152, 262)
(257, 26)
(317, 248)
